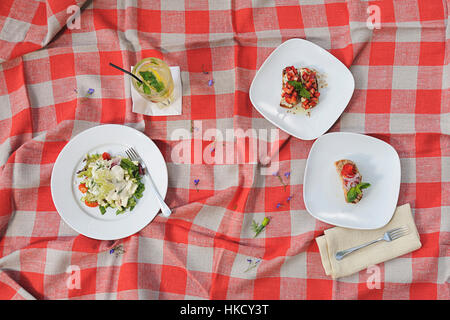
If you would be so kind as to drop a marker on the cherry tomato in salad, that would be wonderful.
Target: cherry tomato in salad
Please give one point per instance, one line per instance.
(106, 156)
(91, 204)
(82, 187)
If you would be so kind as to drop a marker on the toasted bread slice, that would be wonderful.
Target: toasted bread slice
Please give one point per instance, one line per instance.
(348, 183)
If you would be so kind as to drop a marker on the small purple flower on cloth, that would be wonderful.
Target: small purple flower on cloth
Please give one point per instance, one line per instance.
(277, 174)
(117, 250)
(196, 181)
(210, 82)
(89, 93)
(252, 263)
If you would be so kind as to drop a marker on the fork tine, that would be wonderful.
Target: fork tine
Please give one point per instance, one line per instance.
(127, 152)
(136, 154)
(398, 230)
(394, 230)
(133, 152)
(399, 233)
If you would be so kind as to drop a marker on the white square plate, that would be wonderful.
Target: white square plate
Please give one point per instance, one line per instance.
(265, 90)
(379, 165)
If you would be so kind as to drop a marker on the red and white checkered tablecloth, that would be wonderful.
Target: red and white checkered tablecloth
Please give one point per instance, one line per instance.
(50, 58)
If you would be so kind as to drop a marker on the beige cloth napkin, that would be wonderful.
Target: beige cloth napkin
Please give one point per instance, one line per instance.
(338, 238)
(141, 105)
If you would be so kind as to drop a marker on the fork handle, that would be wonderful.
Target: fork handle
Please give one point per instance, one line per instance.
(164, 207)
(341, 254)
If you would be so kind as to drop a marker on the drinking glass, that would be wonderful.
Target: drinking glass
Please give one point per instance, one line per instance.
(157, 83)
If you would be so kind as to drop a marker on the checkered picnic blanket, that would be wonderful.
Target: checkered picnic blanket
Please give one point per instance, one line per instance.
(51, 56)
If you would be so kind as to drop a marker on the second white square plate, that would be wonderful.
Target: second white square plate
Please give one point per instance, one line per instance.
(265, 90)
(379, 165)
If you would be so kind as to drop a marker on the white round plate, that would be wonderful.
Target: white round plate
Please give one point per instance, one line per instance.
(265, 90)
(114, 139)
(379, 165)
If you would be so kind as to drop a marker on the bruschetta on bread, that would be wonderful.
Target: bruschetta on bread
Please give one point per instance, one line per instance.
(351, 180)
(299, 86)
(289, 96)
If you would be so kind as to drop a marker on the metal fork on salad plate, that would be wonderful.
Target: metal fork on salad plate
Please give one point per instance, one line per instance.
(133, 155)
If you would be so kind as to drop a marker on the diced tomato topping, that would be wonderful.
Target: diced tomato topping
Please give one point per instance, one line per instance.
(106, 156)
(348, 170)
(82, 187)
(91, 204)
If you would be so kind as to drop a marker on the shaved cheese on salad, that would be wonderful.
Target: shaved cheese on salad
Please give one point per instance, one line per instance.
(110, 182)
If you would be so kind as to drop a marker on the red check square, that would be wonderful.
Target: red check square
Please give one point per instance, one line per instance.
(246, 57)
(289, 17)
(105, 19)
(243, 20)
(35, 283)
(14, 77)
(106, 57)
(21, 123)
(45, 200)
(40, 15)
(51, 151)
(88, 280)
(173, 279)
(177, 230)
(430, 246)
(431, 10)
(65, 111)
(203, 107)
(432, 53)
(337, 14)
(428, 195)
(428, 101)
(149, 21)
(318, 289)
(199, 60)
(62, 65)
(382, 53)
(219, 286)
(242, 104)
(423, 291)
(428, 145)
(128, 277)
(113, 110)
(267, 288)
(378, 101)
(197, 21)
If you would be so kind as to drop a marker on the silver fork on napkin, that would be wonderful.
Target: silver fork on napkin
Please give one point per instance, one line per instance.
(388, 236)
(133, 155)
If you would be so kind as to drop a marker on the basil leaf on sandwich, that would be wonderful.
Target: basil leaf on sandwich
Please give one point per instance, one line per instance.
(353, 193)
(302, 92)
